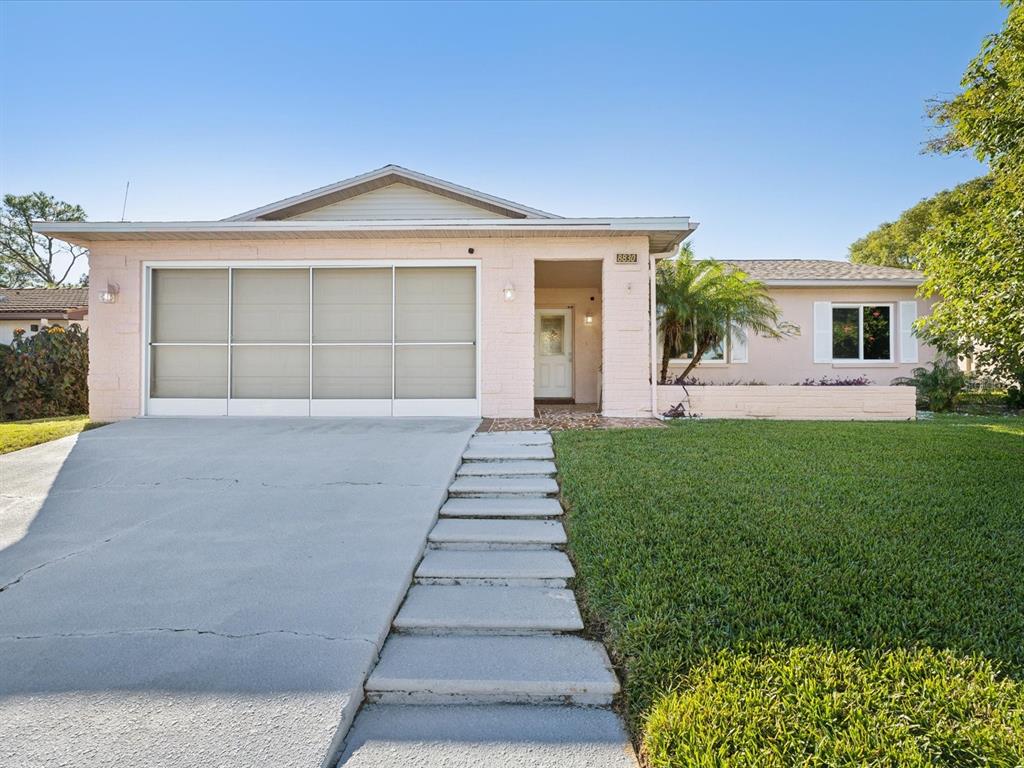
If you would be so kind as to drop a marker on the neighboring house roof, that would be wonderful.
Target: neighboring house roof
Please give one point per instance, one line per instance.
(293, 218)
(824, 271)
(39, 303)
(383, 177)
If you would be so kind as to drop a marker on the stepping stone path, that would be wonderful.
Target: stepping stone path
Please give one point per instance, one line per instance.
(489, 620)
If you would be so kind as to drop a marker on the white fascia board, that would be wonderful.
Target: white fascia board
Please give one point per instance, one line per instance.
(877, 282)
(85, 228)
(390, 170)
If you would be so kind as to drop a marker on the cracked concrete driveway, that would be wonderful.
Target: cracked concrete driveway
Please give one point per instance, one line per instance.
(183, 592)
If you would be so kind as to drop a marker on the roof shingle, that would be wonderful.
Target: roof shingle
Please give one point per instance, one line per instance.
(42, 301)
(771, 270)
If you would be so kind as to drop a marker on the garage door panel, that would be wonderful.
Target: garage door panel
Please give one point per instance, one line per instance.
(270, 305)
(435, 372)
(270, 372)
(190, 305)
(352, 305)
(435, 304)
(359, 373)
(189, 372)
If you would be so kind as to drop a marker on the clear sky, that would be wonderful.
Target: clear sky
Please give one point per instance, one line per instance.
(787, 130)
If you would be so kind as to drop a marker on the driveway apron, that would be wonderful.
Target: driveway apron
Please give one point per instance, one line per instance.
(183, 592)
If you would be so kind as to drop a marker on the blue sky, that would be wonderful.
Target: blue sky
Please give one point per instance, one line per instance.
(787, 130)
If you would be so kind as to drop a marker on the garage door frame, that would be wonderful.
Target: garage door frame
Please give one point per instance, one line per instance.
(312, 407)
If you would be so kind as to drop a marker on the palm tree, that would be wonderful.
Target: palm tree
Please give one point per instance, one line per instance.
(701, 303)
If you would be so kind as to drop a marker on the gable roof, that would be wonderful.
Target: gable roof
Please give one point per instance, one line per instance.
(383, 177)
(824, 271)
(37, 303)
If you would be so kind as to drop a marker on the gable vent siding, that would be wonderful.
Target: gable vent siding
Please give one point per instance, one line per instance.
(397, 201)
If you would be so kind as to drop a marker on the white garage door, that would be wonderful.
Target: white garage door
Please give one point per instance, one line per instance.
(372, 340)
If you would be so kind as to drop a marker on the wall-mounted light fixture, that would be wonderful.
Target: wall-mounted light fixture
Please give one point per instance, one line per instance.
(109, 296)
(508, 292)
(588, 319)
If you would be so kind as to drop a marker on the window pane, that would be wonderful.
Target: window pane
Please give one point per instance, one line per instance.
(352, 305)
(266, 372)
(190, 305)
(876, 333)
(189, 371)
(352, 372)
(552, 334)
(435, 372)
(435, 304)
(845, 333)
(270, 305)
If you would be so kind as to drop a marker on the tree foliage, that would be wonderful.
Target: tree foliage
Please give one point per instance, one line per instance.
(705, 302)
(45, 374)
(975, 262)
(31, 259)
(899, 243)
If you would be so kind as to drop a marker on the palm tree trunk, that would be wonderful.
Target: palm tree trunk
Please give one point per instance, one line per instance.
(665, 356)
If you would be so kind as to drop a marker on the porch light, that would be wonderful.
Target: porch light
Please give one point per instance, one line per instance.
(109, 296)
(509, 292)
(588, 319)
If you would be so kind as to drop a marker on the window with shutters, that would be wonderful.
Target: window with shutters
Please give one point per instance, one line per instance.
(862, 332)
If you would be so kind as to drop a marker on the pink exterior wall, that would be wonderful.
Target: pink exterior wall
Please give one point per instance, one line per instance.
(788, 402)
(791, 360)
(586, 339)
(507, 328)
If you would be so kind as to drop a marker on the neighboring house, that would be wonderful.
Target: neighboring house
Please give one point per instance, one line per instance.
(391, 293)
(855, 320)
(32, 309)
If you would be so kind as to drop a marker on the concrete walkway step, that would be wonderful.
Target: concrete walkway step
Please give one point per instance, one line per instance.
(495, 610)
(512, 452)
(524, 567)
(507, 468)
(420, 669)
(502, 507)
(505, 735)
(538, 437)
(497, 532)
(503, 486)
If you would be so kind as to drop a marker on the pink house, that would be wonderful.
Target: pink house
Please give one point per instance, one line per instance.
(398, 294)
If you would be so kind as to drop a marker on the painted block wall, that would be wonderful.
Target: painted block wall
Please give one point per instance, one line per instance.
(507, 327)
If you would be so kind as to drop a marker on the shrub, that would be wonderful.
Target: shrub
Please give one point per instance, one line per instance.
(937, 389)
(837, 381)
(45, 374)
(816, 706)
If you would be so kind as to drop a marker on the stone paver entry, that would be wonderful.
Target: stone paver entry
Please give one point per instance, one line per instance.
(484, 664)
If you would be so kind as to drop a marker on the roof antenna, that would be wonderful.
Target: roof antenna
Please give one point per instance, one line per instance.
(125, 205)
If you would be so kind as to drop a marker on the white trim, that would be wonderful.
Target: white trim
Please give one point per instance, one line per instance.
(331, 407)
(438, 407)
(243, 406)
(187, 406)
(380, 173)
(652, 321)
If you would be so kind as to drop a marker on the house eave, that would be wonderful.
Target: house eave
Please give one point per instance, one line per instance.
(663, 232)
(878, 282)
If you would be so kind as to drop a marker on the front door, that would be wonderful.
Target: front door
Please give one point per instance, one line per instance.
(553, 354)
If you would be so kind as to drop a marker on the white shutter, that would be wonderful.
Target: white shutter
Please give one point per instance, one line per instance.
(823, 331)
(738, 346)
(908, 341)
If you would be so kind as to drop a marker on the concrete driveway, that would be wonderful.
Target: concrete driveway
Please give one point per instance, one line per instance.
(183, 592)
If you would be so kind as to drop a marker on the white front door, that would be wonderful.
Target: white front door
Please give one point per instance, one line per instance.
(553, 354)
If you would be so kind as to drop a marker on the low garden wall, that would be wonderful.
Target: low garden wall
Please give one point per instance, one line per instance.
(745, 401)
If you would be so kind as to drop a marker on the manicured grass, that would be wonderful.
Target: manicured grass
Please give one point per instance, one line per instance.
(742, 543)
(15, 435)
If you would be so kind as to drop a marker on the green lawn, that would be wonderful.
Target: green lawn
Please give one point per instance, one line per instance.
(816, 593)
(15, 435)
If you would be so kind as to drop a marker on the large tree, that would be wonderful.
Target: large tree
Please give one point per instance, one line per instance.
(975, 262)
(28, 258)
(900, 243)
(702, 303)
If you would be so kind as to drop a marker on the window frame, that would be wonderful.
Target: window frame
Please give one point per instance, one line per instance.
(724, 360)
(860, 359)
